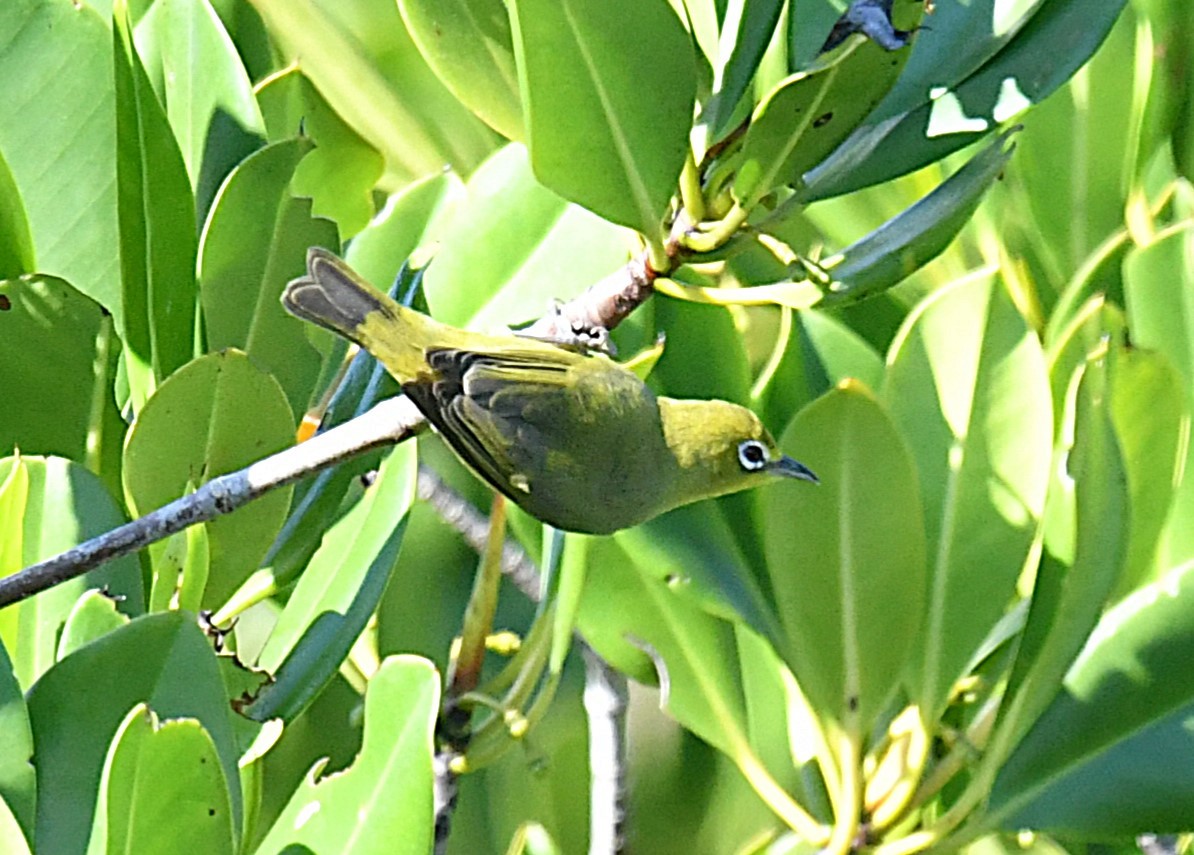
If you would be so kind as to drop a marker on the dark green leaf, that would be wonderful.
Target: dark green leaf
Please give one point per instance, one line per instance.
(593, 136)
(847, 558)
(255, 241)
(216, 415)
(162, 660)
(337, 593)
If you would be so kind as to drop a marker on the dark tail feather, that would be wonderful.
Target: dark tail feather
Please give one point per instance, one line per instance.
(332, 296)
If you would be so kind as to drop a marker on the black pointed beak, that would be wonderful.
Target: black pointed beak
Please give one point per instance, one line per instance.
(790, 468)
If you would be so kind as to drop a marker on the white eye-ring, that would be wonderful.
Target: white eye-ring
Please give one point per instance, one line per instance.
(752, 455)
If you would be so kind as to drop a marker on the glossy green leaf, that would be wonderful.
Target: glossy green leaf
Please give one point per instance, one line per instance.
(1075, 153)
(93, 616)
(957, 110)
(913, 238)
(694, 550)
(58, 504)
(1086, 534)
(16, 243)
(56, 73)
(813, 353)
(57, 349)
(382, 803)
(631, 620)
(1111, 756)
(414, 218)
(363, 62)
(255, 241)
(514, 247)
(967, 387)
(1161, 316)
(163, 789)
(592, 135)
(340, 174)
(205, 89)
(162, 660)
(806, 116)
(746, 28)
(156, 211)
(469, 46)
(18, 779)
(337, 593)
(847, 558)
(1149, 409)
(216, 415)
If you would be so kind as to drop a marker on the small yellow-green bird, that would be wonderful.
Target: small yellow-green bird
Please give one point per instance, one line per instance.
(577, 440)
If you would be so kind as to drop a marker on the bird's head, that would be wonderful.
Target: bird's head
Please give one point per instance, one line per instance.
(722, 448)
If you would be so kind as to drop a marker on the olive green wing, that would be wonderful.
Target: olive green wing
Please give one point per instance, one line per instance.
(501, 412)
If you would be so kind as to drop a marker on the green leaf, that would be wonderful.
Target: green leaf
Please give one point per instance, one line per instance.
(1161, 316)
(56, 347)
(1149, 409)
(255, 241)
(694, 550)
(337, 593)
(56, 504)
(361, 59)
(414, 218)
(813, 353)
(469, 46)
(1086, 534)
(340, 173)
(847, 559)
(1111, 754)
(955, 111)
(745, 30)
(806, 116)
(216, 415)
(967, 387)
(56, 73)
(163, 789)
(593, 136)
(514, 247)
(18, 779)
(156, 212)
(628, 617)
(162, 660)
(914, 237)
(93, 616)
(16, 243)
(382, 803)
(205, 89)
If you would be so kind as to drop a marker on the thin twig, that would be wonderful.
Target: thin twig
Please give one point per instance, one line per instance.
(605, 699)
(473, 526)
(389, 422)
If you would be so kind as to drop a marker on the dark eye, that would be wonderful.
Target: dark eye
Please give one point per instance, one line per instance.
(752, 454)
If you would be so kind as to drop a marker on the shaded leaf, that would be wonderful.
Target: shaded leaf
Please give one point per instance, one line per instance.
(850, 594)
(216, 415)
(162, 660)
(593, 137)
(255, 241)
